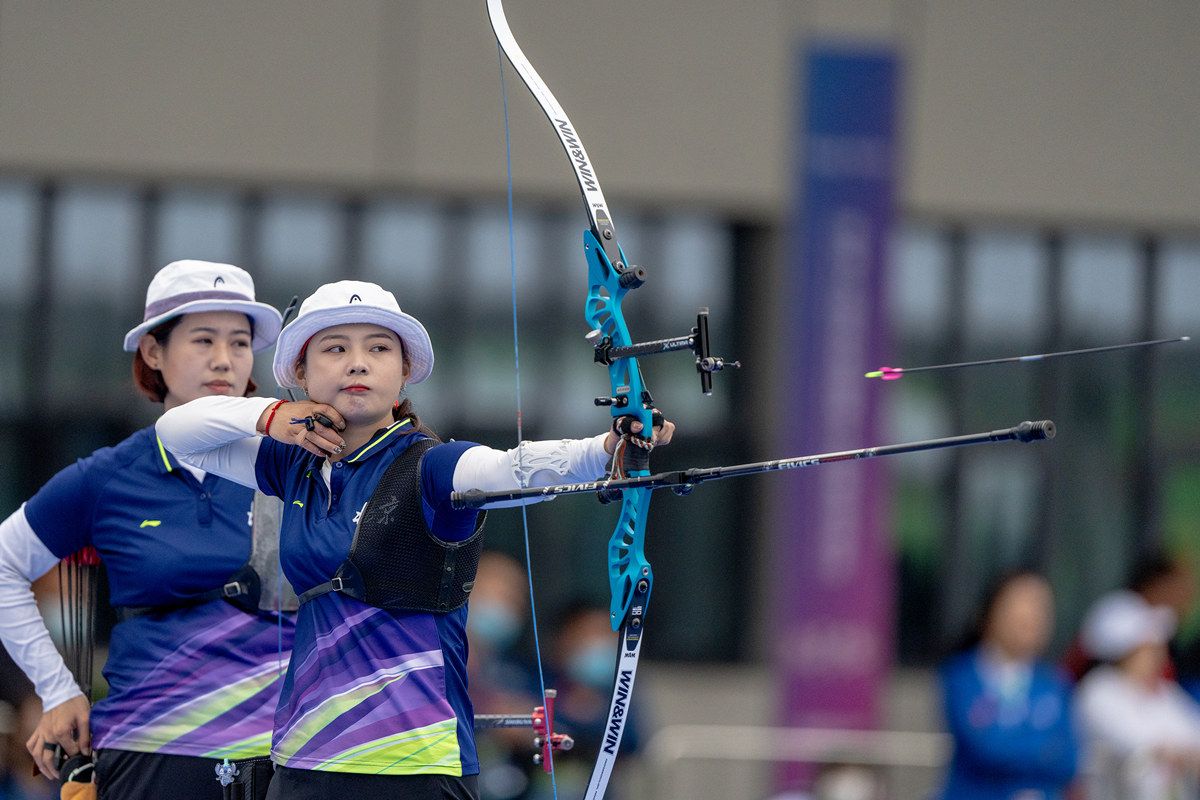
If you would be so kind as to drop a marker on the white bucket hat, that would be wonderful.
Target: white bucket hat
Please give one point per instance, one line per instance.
(1122, 622)
(189, 287)
(347, 302)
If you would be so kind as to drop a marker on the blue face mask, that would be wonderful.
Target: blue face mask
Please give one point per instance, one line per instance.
(495, 625)
(594, 665)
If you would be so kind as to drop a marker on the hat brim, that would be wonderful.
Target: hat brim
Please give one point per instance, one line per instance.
(267, 320)
(412, 333)
(1117, 626)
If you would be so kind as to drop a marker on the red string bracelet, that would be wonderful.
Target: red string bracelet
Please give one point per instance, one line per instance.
(271, 416)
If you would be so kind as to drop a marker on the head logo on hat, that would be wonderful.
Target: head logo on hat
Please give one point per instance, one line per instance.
(189, 287)
(368, 303)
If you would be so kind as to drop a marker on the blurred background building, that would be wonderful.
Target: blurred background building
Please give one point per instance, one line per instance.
(1046, 198)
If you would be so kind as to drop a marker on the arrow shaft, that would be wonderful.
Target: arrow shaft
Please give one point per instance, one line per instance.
(1044, 356)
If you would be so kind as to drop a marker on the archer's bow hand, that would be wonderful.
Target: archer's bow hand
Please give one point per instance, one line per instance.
(629, 429)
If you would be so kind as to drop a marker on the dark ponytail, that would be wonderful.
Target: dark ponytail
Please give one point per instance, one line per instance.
(405, 409)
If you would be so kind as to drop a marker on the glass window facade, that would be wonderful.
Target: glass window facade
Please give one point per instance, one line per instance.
(1122, 478)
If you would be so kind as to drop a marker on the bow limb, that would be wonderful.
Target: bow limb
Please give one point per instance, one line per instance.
(610, 278)
(593, 197)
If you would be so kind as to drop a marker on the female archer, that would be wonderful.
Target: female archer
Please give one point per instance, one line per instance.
(375, 701)
(193, 666)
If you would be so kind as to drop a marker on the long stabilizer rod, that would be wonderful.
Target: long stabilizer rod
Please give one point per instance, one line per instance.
(683, 481)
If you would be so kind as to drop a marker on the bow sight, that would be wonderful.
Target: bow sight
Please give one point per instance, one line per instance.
(697, 341)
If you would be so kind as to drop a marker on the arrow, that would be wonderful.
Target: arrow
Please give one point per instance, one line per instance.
(896, 373)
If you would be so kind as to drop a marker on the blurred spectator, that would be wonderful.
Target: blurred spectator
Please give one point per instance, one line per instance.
(1141, 730)
(18, 780)
(1008, 711)
(1165, 580)
(498, 679)
(1162, 580)
(20, 711)
(499, 609)
(585, 663)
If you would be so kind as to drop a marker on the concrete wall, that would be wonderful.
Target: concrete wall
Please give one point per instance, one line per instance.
(1068, 109)
(670, 768)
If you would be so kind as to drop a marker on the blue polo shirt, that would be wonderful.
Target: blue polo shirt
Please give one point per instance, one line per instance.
(369, 690)
(1007, 744)
(199, 681)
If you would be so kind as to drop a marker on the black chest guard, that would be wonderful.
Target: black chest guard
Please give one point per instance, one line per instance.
(395, 561)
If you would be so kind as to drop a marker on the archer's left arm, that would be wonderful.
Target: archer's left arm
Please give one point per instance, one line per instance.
(532, 464)
(543, 463)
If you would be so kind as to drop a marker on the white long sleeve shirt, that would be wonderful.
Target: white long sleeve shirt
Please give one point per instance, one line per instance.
(219, 435)
(24, 559)
(1123, 724)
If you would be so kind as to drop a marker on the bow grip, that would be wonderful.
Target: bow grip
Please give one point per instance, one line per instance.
(635, 457)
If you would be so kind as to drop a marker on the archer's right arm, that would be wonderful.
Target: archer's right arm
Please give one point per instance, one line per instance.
(23, 559)
(216, 434)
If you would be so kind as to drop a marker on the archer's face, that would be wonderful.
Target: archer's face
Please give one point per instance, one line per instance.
(359, 369)
(207, 353)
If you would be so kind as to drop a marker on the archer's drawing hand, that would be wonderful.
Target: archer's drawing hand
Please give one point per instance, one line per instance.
(302, 423)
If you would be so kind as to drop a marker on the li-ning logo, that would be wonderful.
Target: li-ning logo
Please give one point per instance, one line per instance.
(355, 297)
(612, 737)
(218, 281)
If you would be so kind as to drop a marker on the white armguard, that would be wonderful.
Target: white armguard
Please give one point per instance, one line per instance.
(529, 464)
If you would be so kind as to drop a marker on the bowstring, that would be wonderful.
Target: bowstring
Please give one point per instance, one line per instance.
(279, 668)
(512, 262)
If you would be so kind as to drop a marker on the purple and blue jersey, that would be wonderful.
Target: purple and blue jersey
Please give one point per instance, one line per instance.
(200, 680)
(368, 690)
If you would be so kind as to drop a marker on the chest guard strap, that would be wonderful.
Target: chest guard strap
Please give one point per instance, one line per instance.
(256, 586)
(395, 561)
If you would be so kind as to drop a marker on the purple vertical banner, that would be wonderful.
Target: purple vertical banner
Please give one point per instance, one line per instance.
(833, 591)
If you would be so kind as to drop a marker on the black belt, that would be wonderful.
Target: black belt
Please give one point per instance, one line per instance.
(227, 592)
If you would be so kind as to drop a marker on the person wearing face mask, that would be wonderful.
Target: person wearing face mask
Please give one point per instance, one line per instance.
(500, 680)
(499, 605)
(1008, 711)
(193, 671)
(1142, 731)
